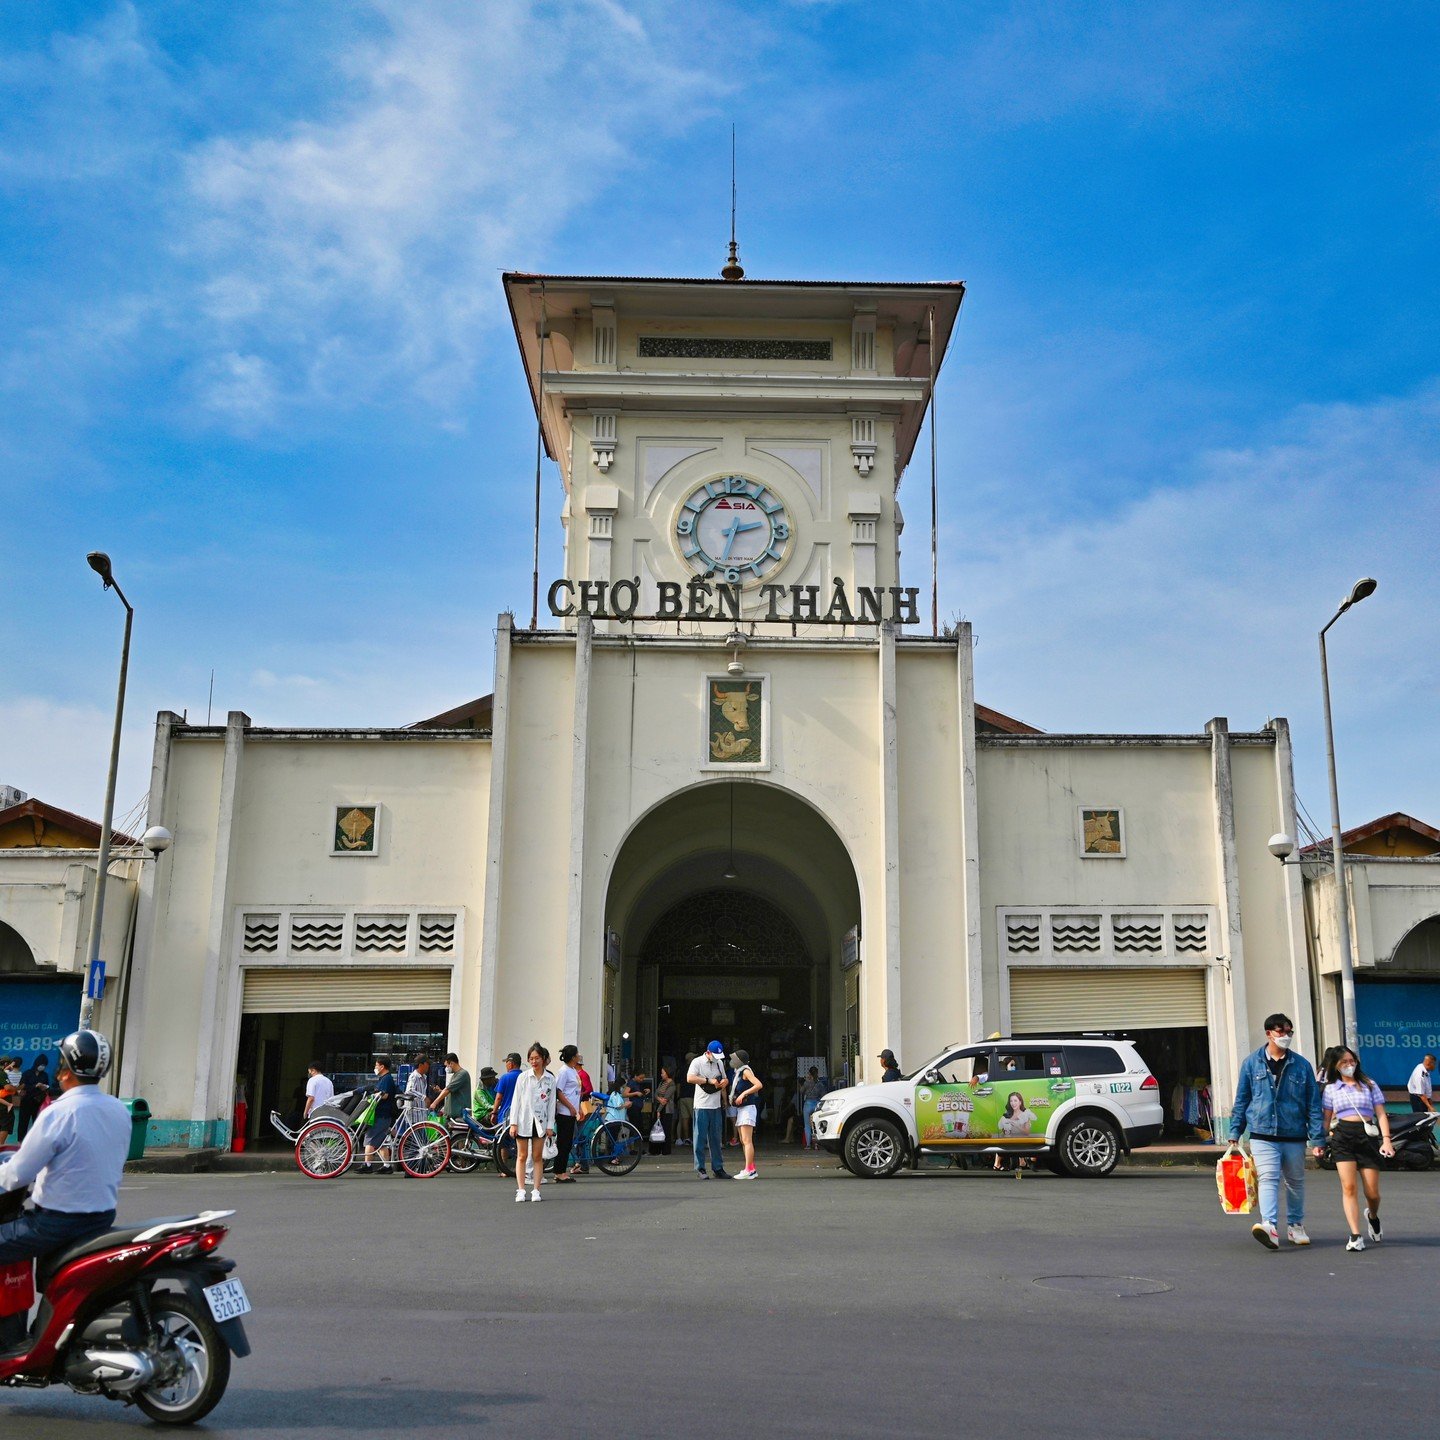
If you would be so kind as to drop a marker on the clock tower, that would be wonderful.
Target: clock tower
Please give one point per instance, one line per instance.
(750, 434)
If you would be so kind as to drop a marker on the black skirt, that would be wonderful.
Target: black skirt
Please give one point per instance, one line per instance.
(1348, 1141)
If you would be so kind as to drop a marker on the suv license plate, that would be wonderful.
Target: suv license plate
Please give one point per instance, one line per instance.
(227, 1300)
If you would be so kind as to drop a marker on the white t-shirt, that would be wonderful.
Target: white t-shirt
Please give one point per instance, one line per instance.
(321, 1090)
(1420, 1082)
(567, 1082)
(712, 1068)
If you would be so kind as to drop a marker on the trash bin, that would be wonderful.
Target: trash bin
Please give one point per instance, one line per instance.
(139, 1120)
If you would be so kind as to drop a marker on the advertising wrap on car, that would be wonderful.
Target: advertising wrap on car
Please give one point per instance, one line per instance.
(981, 1111)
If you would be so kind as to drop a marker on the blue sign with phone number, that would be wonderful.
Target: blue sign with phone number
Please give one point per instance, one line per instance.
(1398, 1023)
(35, 1016)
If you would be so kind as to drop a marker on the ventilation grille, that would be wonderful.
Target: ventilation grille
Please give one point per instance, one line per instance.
(1192, 934)
(316, 934)
(1139, 934)
(437, 934)
(381, 934)
(1022, 934)
(1075, 934)
(261, 935)
(698, 347)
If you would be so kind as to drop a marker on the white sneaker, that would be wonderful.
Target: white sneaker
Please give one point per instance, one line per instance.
(535, 1195)
(1296, 1235)
(1267, 1235)
(1372, 1224)
(748, 1175)
(1354, 1243)
(519, 1197)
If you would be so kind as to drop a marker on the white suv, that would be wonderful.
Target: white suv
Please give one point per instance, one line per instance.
(1076, 1103)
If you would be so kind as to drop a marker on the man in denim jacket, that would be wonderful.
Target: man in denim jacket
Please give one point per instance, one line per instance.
(1278, 1101)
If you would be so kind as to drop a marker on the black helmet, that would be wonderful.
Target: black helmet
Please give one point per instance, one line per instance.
(85, 1054)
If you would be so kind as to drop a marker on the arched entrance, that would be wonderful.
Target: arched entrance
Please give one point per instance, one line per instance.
(1397, 1006)
(729, 909)
(38, 1007)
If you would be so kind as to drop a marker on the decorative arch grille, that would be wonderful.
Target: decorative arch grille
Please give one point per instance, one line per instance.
(724, 930)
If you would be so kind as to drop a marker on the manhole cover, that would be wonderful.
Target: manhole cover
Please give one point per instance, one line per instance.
(1118, 1285)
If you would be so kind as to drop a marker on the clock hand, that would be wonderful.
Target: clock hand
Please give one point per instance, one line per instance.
(730, 532)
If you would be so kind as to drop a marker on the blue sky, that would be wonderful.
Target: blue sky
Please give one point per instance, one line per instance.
(252, 340)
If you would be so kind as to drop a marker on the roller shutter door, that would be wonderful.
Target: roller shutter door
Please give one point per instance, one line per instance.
(288, 991)
(1063, 1000)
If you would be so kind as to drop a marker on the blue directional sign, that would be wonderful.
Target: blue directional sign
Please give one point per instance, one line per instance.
(95, 981)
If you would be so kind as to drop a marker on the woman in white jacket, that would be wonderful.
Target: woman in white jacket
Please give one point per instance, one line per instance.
(532, 1118)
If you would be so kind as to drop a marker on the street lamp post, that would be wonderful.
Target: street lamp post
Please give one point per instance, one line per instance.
(1358, 592)
(99, 562)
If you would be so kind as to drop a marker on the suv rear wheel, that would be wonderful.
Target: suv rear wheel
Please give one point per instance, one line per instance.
(1089, 1147)
(874, 1148)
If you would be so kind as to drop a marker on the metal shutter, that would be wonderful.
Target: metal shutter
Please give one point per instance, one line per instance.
(287, 991)
(1078, 999)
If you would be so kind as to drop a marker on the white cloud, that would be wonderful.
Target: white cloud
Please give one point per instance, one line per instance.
(61, 754)
(358, 249)
(1205, 598)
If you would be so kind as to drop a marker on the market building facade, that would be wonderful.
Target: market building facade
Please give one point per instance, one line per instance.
(728, 782)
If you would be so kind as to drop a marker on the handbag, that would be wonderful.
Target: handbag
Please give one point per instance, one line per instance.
(17, 1288)
(1235, 1180)
(657, 1132)
(550, 1149)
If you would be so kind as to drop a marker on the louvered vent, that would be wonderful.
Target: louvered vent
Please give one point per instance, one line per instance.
(380, 934)
(316, 934)
(1139, 934)
(437, 934)
(261, 935)
(1022, 934)
(1192, 934)
(1075, 934)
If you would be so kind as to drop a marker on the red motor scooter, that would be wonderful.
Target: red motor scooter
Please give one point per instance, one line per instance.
(146, 1314)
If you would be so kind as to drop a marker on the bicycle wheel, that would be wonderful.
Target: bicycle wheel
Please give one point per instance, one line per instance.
(425, 1150)
(505, 1153)
(466, 1153)
(324, 1150)
(616, 1147)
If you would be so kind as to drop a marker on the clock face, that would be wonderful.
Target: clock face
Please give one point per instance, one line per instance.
(734, 529)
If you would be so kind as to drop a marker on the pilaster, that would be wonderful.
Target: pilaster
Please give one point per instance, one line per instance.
(495, 840)
(210, 1111)
(576, 951)
(153, 895)
(891, 1016)
(1229, 1042)
(970, 838)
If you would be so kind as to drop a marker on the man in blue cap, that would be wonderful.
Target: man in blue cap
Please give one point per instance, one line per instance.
(707, 1075)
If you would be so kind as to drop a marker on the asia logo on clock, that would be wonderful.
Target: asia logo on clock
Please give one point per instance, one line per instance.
(733, 528)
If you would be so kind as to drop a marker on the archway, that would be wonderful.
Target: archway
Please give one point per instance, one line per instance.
(731, 911)
(1397, 1005)
(16, 956)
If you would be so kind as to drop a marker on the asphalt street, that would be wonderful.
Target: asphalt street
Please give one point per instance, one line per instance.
(807, 1303)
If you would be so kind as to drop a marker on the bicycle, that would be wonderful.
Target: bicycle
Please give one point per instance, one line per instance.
(469, 1151)
(325, 1147)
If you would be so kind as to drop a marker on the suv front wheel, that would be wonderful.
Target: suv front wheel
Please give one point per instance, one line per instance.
(874, 1148)
(1089, 1147)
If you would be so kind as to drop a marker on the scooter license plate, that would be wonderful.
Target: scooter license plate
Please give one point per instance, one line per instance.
(227, 1300)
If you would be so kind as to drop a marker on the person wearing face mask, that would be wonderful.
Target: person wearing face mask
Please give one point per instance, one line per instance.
(1277, 1100)
(1354, 1109)
(387, 1087)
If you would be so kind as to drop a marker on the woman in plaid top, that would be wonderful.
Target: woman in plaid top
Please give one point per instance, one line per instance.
(1355, 1117)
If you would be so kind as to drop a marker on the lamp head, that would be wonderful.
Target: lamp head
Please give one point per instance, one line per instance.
(99, 562)
(157, 839)
(1281, 846)
(1360, 590)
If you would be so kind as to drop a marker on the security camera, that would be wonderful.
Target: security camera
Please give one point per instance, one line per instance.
(156, 839)
(1281, 846)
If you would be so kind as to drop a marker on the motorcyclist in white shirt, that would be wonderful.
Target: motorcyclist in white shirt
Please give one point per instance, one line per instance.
(72, 1158)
